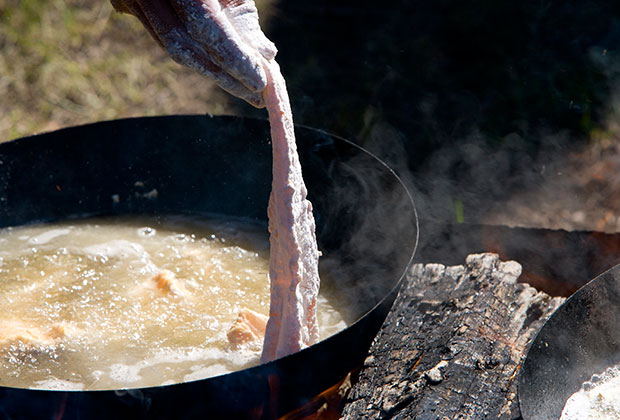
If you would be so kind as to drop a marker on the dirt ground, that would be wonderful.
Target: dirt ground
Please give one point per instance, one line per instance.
(581, 191)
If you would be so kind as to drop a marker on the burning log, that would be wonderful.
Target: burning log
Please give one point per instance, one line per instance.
(452, 345)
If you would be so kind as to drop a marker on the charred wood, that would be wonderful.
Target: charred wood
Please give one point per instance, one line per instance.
(452, 345)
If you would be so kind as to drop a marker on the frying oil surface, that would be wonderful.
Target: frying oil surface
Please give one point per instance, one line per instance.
(121, 303)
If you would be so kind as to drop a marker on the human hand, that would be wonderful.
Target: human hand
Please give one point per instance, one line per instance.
(221, 39)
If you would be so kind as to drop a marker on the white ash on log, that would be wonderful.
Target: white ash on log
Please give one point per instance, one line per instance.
(452, 345)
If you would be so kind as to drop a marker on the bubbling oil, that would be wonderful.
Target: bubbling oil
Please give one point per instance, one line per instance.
(81, 306)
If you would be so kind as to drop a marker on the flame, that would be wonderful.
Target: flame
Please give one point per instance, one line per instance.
(327, 405)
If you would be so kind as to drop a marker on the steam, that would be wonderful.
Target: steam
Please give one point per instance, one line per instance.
(365, 259)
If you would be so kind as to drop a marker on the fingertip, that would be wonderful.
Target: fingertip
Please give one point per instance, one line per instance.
(256, 100)
(268, 50)
(258, 81)
(257, 40)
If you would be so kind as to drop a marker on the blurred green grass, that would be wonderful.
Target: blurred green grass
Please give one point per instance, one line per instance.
(68, 62)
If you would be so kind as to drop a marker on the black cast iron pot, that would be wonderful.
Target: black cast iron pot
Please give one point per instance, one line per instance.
(366, 228)
(580, 339)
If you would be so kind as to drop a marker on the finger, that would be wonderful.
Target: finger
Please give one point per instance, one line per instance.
(171, 33)
(132, 8)
(244, 17)
(159, 19)
(207, 23)
(186, 51)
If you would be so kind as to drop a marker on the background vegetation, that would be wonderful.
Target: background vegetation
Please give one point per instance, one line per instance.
(67, 62)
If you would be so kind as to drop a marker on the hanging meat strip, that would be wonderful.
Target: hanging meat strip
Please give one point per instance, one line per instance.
(293, 265)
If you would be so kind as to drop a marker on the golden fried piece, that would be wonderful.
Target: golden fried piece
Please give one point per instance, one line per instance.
(167, 283)
(14, 331)
(26, 343)
(248, 328)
